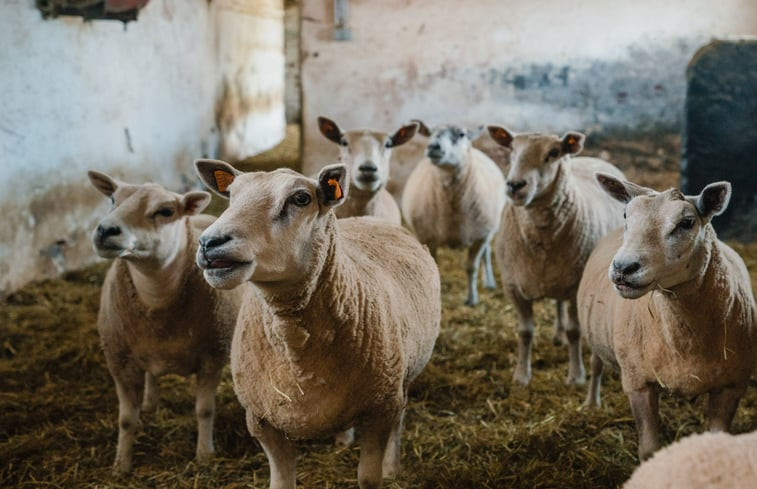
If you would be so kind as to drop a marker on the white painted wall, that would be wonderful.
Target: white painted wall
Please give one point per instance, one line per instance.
(138, 101)
(603, 64)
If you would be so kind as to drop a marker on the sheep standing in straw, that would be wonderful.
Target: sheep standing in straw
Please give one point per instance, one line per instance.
(157, 315)
(338, 316)
(554, 216)
(694, 332)
(454, 198)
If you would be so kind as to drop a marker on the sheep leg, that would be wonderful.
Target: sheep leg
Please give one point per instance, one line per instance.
(644, 405)
(391, 465)
(150, 399)
(524, 308)
(489, 281)
(593, 395)
(722, 406)
(205, 408)
(471, 267)
(576, 371)
(559, 338)
(373, 442)
(281, 453)
(129, 388)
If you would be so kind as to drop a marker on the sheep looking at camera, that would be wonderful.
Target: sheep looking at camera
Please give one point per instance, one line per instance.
(454, 197)
(695, 332)
(157, 315)
(367, 154)
(555, 214)
(338, 316)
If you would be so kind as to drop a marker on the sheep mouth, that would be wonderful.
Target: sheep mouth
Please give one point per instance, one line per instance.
(629, 289)
(367, 178)
(222, 264)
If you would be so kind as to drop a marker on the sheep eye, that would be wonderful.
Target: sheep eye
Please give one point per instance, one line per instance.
(388, 144)
(686, 223)
(553, 153)
(344, 143)
(301, 199)
(165, 212)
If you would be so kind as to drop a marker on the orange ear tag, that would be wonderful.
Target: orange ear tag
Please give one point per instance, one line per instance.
(571, 140)
(223, 179)
(337, 189)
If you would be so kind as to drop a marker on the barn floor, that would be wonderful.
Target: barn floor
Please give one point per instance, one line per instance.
(467, 424)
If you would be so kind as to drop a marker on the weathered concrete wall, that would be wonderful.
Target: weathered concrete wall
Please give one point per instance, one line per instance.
(720, 136)
(138, 101)
(554, 65)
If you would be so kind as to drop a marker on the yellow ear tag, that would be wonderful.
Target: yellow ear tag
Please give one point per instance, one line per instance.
(223, 179)
(337, 189)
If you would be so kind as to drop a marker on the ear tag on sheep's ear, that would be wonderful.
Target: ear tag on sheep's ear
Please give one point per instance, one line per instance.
(571, 140)
(332, 182)
(223, 179)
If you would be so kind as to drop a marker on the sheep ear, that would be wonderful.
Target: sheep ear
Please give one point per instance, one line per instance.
(403, 134)
(102, 182)
(330, 129)
(332, 185)
(621, 190)
(713, 200)
(217, 175)
(423, 129)
(474, 134)
(502, 136)
(573, 143)
(195, 202)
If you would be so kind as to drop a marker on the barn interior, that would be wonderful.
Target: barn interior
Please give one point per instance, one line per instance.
(139, 89)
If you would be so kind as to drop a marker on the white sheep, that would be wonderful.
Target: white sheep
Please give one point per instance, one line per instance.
(367, 154)
(702, 461)
(338, 316)
(555, 214)
(454, 197)
(695, 331)
(157, 315)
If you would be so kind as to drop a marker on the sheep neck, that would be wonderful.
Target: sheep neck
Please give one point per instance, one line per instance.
(160, 284)
(359, 201)
(555, 208)
(455, 177)
(701, 301)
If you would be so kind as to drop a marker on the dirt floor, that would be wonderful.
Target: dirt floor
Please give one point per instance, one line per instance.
(467, 425)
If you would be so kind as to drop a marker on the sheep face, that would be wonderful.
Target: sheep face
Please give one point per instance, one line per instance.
(535, 161)
(448, 146)
(145, 221)
(663, 242)
(366, 153)
(272, 217)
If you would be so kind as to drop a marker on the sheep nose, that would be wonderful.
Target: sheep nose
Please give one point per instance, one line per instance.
(106, 231)
(626, 268)
(434, 147)
(514, 186)
(207, 242)
(368, 167)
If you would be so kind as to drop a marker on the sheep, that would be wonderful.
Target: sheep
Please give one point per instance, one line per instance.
(695, 333)
(338, 315)
(367, 154)
(454, 197)
(157, 315)
(702, 461)
(554, 216)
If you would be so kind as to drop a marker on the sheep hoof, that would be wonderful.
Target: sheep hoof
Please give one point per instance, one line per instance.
(471, 302)
(575, 380)
(345, 438)
(522, 378)
(204, 456)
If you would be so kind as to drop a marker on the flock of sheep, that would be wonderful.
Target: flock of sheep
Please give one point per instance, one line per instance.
(329, 308)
